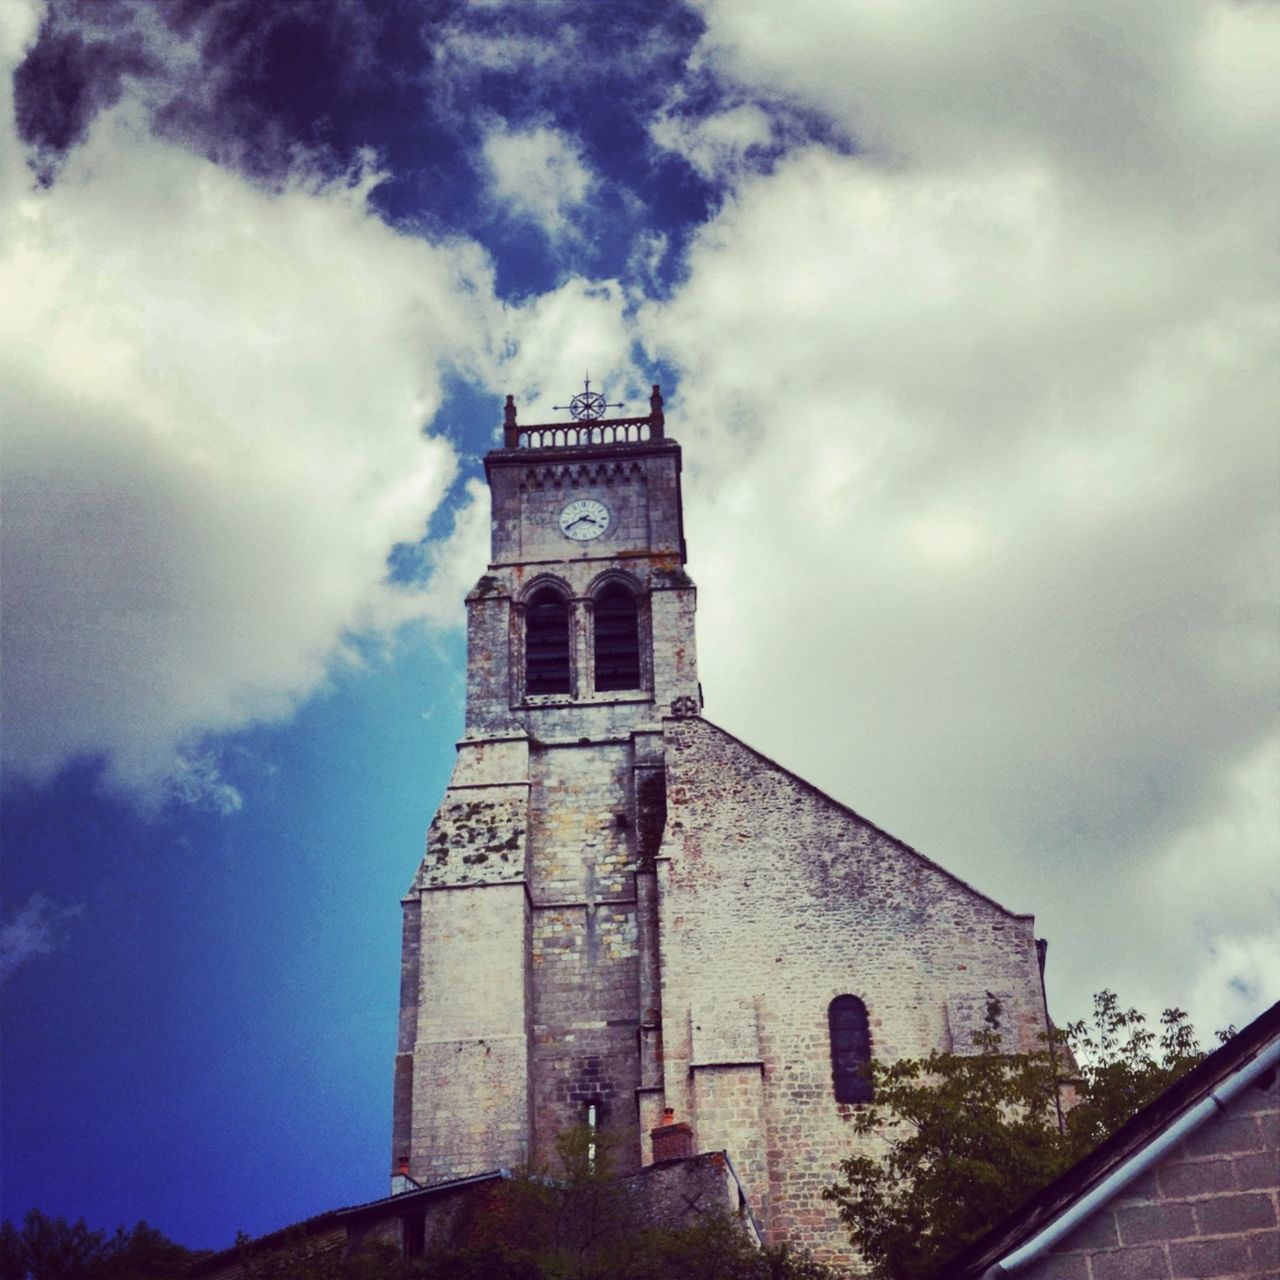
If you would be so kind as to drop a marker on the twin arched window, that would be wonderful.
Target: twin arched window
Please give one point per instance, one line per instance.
(850, 1049)
(616, 641)
(546, 647)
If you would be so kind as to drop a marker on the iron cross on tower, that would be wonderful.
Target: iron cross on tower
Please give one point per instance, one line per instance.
(588, 405)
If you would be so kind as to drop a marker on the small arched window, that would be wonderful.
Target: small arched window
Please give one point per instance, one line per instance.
(617, 648)
(546, 647)
(850, 1049)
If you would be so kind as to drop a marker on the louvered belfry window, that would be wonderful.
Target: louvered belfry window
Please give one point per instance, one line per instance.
(617, 639)
(850, 1049)
(546, 647)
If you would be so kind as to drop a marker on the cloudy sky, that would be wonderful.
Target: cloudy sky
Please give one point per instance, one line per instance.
(968, 322)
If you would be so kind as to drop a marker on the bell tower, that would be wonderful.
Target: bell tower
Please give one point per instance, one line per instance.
(529, 980)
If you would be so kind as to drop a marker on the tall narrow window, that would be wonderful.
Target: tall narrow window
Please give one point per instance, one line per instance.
(593, 1126)
(850, 1049)
(546, 649)
(617, 639)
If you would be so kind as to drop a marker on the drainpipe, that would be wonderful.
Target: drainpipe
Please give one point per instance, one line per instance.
(1185, 1125)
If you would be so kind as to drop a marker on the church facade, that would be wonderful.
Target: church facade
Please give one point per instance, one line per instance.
(625, 911)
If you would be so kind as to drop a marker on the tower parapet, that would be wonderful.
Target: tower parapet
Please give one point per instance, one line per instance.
(584, 431)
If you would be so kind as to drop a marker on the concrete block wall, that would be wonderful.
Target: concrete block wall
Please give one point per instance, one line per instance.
(1210, 1210)
(773, 900)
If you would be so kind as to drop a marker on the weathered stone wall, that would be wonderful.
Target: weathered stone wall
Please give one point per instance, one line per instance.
(631, 912)
(1210, 1208)
(584, 956)
(774, 899)
(639, 484)
(643, 545)
(471, 1056)
(728, 1104)
(544, 810)
(682, 1193)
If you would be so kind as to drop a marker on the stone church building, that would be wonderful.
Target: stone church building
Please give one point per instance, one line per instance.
(624, 909)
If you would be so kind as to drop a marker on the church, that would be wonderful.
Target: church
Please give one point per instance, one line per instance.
(628, 918)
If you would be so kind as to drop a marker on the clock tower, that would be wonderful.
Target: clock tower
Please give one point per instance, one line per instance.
(631, 919)
(529, 983)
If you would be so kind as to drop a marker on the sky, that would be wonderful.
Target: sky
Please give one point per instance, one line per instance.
(968, 321)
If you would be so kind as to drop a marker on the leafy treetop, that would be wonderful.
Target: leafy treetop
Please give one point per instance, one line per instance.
(953, 1142)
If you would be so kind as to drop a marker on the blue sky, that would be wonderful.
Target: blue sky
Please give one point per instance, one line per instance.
(967, 323)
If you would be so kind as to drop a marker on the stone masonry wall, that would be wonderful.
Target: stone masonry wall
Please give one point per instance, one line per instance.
(643, 546)
(1210, 1208)
(584, 958)
(774, 899)
(544, 799)
(470, 1089)
(639, 484)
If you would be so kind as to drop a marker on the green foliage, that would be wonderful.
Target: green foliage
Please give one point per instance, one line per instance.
(955, 1142)
(53, 1249)
(576, 1221)
(301, 1257)
(1119, 1069)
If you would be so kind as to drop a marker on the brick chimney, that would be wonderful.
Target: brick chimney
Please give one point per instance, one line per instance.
(400, 1180)
(671, 1141)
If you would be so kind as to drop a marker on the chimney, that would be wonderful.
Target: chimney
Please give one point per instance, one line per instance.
(671, 1141)
(400, 1180)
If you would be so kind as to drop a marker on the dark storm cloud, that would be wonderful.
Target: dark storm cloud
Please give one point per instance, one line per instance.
(425, 85)
(235, 79)
(70, 75)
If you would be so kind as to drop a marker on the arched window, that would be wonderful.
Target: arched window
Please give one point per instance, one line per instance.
(617, 639)
(546, 647)
(850, 1049)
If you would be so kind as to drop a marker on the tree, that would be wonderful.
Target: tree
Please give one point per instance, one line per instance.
(960, 1140)
(572, 1219)
(577, 1221)
(1119, 1071)
(54, 1249)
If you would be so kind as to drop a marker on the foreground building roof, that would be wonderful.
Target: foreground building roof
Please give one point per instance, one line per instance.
(1187, 1188)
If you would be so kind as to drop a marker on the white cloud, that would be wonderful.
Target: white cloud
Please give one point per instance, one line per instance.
(1130, 95)
(981, 454)
(38, 928)
(213, 398)
(539, 174)
(1214, 881)
(455, 562)
(195, 781)
(581, 326)
(716, 146)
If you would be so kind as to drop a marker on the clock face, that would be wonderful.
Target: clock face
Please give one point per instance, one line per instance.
(584, 519)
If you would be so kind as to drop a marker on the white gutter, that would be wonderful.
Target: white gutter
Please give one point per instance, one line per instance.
(1115, 1182)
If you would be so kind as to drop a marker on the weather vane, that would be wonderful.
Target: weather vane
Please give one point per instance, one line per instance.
(588, 405)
